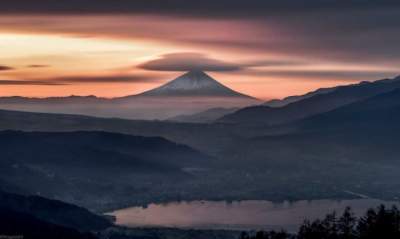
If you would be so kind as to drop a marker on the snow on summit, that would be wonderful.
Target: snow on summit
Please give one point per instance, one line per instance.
(194, 83)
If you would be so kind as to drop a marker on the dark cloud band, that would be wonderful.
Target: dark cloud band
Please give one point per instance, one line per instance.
(68, 80)
(37, 66)
(188, 62)
(320, 75)
(196, 61)
(6, 68)
(103, 79)
(28, 82)
(182, 7)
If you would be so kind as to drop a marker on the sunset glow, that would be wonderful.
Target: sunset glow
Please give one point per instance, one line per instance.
(44, 52)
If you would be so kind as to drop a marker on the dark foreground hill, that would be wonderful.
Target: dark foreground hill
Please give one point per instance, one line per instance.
(53, 211)
(15, 224)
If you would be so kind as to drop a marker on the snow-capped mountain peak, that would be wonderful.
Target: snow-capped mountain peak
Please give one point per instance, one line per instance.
(193, 83)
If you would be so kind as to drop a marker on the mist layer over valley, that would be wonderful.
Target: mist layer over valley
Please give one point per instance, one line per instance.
(340, 153)
(190, 93)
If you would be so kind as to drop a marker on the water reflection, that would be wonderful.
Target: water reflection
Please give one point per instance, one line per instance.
(237, 215)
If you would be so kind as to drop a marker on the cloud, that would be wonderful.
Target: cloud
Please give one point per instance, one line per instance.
(6, 68)
(274, 63)
(27, 82)
(352, 32)
(184, 7)
(320, 75)
(103, 79)
(344, 35)
(69, 80)
(186, 62)
(37, 66)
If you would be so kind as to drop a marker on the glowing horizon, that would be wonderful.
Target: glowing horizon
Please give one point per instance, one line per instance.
(104, 55)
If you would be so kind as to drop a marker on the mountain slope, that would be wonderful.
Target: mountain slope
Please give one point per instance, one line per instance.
(380, 111)
(193, 84)
(291, 99)
(366, 130)
(16, 224)
(209, 138)
(93, 169)
(55, 212)
(101, 149)
(53, 100)
(353, 148)
(311, 106)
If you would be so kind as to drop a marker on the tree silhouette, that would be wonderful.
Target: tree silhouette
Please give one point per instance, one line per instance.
(375, 224)
(346, 225)
(382, 223)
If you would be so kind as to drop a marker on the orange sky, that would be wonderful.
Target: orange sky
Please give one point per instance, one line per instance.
(102, 55)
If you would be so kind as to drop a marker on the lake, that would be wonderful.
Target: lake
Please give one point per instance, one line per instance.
(243, 215)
